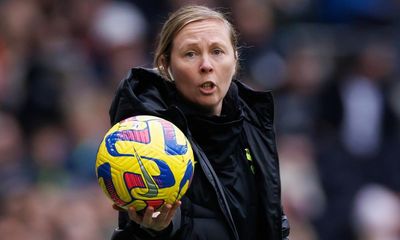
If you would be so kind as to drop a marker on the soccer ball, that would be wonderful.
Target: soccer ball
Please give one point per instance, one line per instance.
(144, 161)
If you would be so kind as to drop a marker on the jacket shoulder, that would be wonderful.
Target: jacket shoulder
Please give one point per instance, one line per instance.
(258, 105)
(143, 91)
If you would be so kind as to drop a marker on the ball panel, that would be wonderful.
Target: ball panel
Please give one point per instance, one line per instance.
(107, 184)
(133, 180)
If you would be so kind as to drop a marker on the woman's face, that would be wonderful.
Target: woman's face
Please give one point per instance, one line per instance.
(202, 63)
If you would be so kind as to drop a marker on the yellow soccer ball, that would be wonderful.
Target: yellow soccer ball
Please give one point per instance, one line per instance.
(144, 161)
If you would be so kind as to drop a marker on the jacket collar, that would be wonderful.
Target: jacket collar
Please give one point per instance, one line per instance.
(144, 91)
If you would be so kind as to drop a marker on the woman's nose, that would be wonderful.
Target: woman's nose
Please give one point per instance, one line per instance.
(206, 65)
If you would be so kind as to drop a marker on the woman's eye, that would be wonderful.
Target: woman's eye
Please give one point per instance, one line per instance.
(190, 54)
(217, 51)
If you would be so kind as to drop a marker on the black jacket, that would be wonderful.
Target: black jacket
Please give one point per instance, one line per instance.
(145, 92)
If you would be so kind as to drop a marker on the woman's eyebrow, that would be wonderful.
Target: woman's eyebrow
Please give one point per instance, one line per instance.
(195, 43)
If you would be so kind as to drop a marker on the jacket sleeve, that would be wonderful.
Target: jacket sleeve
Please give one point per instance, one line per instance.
(129, 230)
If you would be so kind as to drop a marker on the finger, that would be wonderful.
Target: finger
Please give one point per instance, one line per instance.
(118, 208)
(134, 216)
(148, 217)
(164, 213)
(172, 212)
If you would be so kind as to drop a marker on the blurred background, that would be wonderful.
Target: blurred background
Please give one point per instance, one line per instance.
(333, 66)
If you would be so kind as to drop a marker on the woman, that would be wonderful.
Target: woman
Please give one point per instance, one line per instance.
(235, 191)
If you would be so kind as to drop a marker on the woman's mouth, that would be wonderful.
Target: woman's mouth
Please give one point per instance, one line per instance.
(208, 88)
(208, 85)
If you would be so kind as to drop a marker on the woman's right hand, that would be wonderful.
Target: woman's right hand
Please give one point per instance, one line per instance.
(151, 219)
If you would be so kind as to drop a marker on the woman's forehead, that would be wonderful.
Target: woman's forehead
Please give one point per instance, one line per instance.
(209, 29)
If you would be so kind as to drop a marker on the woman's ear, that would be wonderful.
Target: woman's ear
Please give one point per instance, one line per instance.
(171, 77)
(237, 63)
(164, 66)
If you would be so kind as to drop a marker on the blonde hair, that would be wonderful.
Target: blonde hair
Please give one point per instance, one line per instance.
(176, 22)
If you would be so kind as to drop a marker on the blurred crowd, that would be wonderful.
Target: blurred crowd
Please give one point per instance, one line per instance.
(333, 66)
